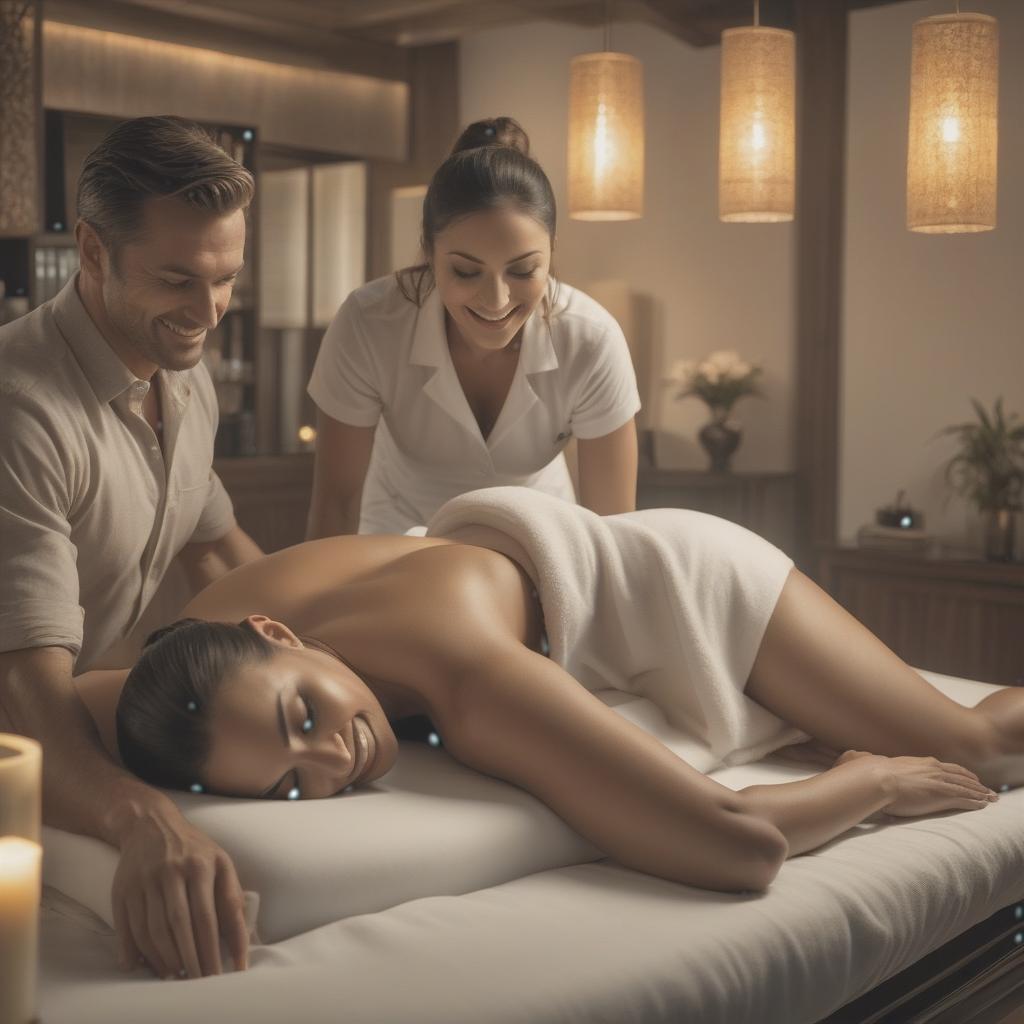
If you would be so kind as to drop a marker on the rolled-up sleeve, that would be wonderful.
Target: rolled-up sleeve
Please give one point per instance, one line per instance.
(345, 381)
(39, 592)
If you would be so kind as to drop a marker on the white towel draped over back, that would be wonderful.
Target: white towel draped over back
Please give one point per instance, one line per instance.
(667, 604)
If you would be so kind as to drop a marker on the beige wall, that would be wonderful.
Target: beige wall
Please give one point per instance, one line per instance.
(710, 285)
(929, 320)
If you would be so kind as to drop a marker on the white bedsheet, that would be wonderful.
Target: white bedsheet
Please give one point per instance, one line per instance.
(596, 942)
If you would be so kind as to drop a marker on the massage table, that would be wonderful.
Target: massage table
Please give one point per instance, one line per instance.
(439, 895)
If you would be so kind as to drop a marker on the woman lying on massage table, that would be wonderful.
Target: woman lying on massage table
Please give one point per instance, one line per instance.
(337, 639)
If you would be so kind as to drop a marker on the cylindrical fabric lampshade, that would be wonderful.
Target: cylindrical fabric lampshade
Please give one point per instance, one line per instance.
(606, 137)
(953, 138)
(757, 138)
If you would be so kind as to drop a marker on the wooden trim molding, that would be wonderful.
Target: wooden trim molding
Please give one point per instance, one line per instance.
(821, 33)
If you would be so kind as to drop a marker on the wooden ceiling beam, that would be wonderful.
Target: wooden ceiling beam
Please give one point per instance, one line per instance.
(217, 28)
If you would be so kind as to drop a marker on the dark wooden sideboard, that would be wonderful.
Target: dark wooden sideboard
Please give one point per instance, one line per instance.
(957, 615)
(271, 496)
(762, 502)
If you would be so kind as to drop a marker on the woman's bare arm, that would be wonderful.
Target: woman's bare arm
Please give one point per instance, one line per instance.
(607, 468)
(342, 459)
(813, 811)
(518, 716)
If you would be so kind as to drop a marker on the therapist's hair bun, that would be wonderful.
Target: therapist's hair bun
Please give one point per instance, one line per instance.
(493, 131)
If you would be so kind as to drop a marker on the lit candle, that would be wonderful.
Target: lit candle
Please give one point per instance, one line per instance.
(20, 862)
(21, 762)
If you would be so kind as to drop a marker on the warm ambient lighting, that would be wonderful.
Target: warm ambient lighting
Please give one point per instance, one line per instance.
(952, 142)
(757, 138)
(21, 760)
(20, 882)
(606, 137)
(307, 434)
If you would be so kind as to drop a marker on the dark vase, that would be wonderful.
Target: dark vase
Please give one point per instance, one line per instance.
(999, 534)
(720, 439)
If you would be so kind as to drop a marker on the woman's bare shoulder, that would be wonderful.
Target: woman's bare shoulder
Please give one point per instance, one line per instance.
(294, 575)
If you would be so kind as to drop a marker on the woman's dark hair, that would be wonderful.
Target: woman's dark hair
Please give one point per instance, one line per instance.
(163, 732)
(490, 165)
(154, 158)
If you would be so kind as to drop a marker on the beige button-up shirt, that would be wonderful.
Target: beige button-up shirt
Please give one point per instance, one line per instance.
(92, 511)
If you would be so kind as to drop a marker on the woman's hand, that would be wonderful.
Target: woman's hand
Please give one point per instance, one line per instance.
(925, 785)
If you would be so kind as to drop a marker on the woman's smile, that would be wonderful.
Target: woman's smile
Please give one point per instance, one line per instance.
(495, 323)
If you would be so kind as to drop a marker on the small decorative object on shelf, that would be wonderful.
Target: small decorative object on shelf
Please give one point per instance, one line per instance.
(897, 527)
(720, 380)
(988, 470)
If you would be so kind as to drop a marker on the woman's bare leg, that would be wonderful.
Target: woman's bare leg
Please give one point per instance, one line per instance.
(824, 672)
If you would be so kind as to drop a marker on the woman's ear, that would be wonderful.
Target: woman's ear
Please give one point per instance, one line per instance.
(272, 630)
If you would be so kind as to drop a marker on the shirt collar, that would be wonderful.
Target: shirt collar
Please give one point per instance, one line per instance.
(101, 365)
(430, 343)
(103, 368)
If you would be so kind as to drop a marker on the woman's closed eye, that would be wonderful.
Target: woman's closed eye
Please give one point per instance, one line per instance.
(309, 722)
(465, 274)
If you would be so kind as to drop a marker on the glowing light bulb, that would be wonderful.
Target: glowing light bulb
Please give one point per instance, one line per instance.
(307, 434)
(758, 139)
(950, 129)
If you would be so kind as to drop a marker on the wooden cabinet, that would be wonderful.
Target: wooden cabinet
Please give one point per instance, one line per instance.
(271, 496)
(762, 502)
(960, 616)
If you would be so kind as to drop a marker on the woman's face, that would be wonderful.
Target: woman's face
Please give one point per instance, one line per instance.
(299, 724)
(491, 269)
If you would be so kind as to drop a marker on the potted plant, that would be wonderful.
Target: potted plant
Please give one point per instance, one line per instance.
(988, 470)
(720, 380)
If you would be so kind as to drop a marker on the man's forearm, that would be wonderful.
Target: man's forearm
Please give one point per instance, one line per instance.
(84, 791)
(236, 548)
(208, 561)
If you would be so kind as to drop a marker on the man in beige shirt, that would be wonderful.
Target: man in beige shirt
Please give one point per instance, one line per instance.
(106, 477)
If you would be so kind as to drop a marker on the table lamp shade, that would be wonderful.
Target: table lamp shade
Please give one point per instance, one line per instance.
(606, 137)
(757, 137)
(953, 136)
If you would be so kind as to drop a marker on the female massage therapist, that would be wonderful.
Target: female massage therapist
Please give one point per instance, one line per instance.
(475, 368)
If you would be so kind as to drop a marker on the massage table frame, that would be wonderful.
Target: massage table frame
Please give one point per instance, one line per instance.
(978, 977)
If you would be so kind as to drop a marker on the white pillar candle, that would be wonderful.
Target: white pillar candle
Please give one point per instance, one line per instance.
(20, 862)
(21, 761)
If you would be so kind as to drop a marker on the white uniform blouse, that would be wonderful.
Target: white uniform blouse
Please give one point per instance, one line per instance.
(385, 359)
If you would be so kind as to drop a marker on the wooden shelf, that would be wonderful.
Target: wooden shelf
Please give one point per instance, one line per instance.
(954, 614)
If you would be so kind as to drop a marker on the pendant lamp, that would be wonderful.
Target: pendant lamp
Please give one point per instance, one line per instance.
(952, 142)
(757, 136)
(606, 136)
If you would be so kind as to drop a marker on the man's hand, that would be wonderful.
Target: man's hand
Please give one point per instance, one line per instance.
(174, 886)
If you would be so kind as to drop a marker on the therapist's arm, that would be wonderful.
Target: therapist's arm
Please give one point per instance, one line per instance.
(339, 472)
(174, 888)
(607, 471)
(207, 561)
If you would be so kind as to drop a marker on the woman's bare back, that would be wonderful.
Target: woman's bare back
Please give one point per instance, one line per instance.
(396, 608)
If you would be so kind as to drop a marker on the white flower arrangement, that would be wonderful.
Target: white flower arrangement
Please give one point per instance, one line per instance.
(720, 379)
